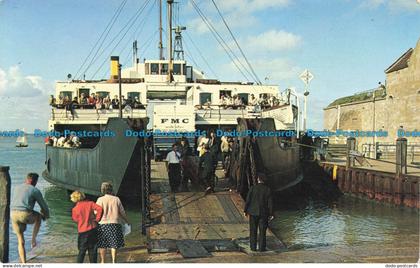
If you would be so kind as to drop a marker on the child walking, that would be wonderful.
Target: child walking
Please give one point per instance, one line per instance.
(87, 214)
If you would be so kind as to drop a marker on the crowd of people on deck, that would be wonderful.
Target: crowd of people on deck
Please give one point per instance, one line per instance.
(94, 101)
(237, 102)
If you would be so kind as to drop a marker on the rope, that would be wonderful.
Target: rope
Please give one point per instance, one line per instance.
(130, 24)
(139, 29)
(220, 40)
(200, 54)
(110, 25)
(237, 44)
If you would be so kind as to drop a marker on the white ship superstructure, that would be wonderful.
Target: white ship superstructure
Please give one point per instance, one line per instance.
(189, 89)
(173, 94)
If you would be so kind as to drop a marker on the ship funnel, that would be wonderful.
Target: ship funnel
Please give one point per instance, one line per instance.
(114, 67)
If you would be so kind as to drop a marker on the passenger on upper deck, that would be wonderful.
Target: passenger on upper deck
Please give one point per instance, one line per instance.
(107, 102)
(264, 102)
(70, 105)
(52, 100)
(98, 103)
(207, 103)
(222, 101)
(237, 101)
(92, 99)
(129, 102)
(273, 101)
(252, 100)
(115, 102)
(60, 100)
(83, 99)
(137, 104)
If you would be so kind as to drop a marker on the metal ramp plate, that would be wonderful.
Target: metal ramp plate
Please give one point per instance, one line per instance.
(192, 249)
(272, 247)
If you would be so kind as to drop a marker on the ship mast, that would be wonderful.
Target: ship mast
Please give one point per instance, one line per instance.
(160, 31)
(170, 67)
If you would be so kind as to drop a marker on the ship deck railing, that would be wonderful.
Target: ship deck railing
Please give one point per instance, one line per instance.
(99, 116)
(228, 114)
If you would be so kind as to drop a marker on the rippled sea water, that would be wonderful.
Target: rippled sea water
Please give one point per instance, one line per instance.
(59, 233)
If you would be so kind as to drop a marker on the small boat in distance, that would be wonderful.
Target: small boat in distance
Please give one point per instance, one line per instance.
(22, 141)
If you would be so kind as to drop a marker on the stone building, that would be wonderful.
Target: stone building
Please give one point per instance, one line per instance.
(393, 107)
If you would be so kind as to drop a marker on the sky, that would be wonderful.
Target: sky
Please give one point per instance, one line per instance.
(346, 44)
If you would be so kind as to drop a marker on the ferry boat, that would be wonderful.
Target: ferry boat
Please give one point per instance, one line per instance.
(162, 95)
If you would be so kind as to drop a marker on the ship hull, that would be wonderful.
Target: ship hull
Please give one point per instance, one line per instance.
(278, 158)
(121, 160)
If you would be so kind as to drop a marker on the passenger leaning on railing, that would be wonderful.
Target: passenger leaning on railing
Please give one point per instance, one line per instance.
(138, 104)
(98, 103)
(115, 102)
(52, 100)
(83, 99)
(124, 100)
(60, 100)
(252, 100)
(91, 99)
(107, 102)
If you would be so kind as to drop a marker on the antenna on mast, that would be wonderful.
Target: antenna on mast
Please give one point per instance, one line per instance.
(170, 67)
(178, 48)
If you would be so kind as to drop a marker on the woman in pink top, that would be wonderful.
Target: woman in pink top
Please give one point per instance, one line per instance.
(110, 233)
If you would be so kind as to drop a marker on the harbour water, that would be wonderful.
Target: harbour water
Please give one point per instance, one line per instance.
(348, 223)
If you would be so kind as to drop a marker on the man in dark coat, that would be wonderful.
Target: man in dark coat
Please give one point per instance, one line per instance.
(259, 209)
(206, 169)
(185, 151)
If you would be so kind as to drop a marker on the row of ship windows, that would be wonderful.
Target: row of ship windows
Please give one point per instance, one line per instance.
(162, 69)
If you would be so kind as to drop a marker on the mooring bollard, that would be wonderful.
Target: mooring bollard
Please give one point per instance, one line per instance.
(351, 146)
(4, 213)
(401, 157)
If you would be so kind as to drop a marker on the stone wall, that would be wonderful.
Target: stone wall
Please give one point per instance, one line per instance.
(400, 107)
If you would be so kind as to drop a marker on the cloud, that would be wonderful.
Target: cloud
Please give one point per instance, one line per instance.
(237, 13)
(27, 113)
(372, 3)
(24, 100)
(276, 69)
(251, 6)
(393, 5)
(272, 41)
(14, 84)
(234, 20)
(407, 5)
(198, 26)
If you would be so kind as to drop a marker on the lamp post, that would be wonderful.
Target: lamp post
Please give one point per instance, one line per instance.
(306, 77)
(119, 92)
(305, 100)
